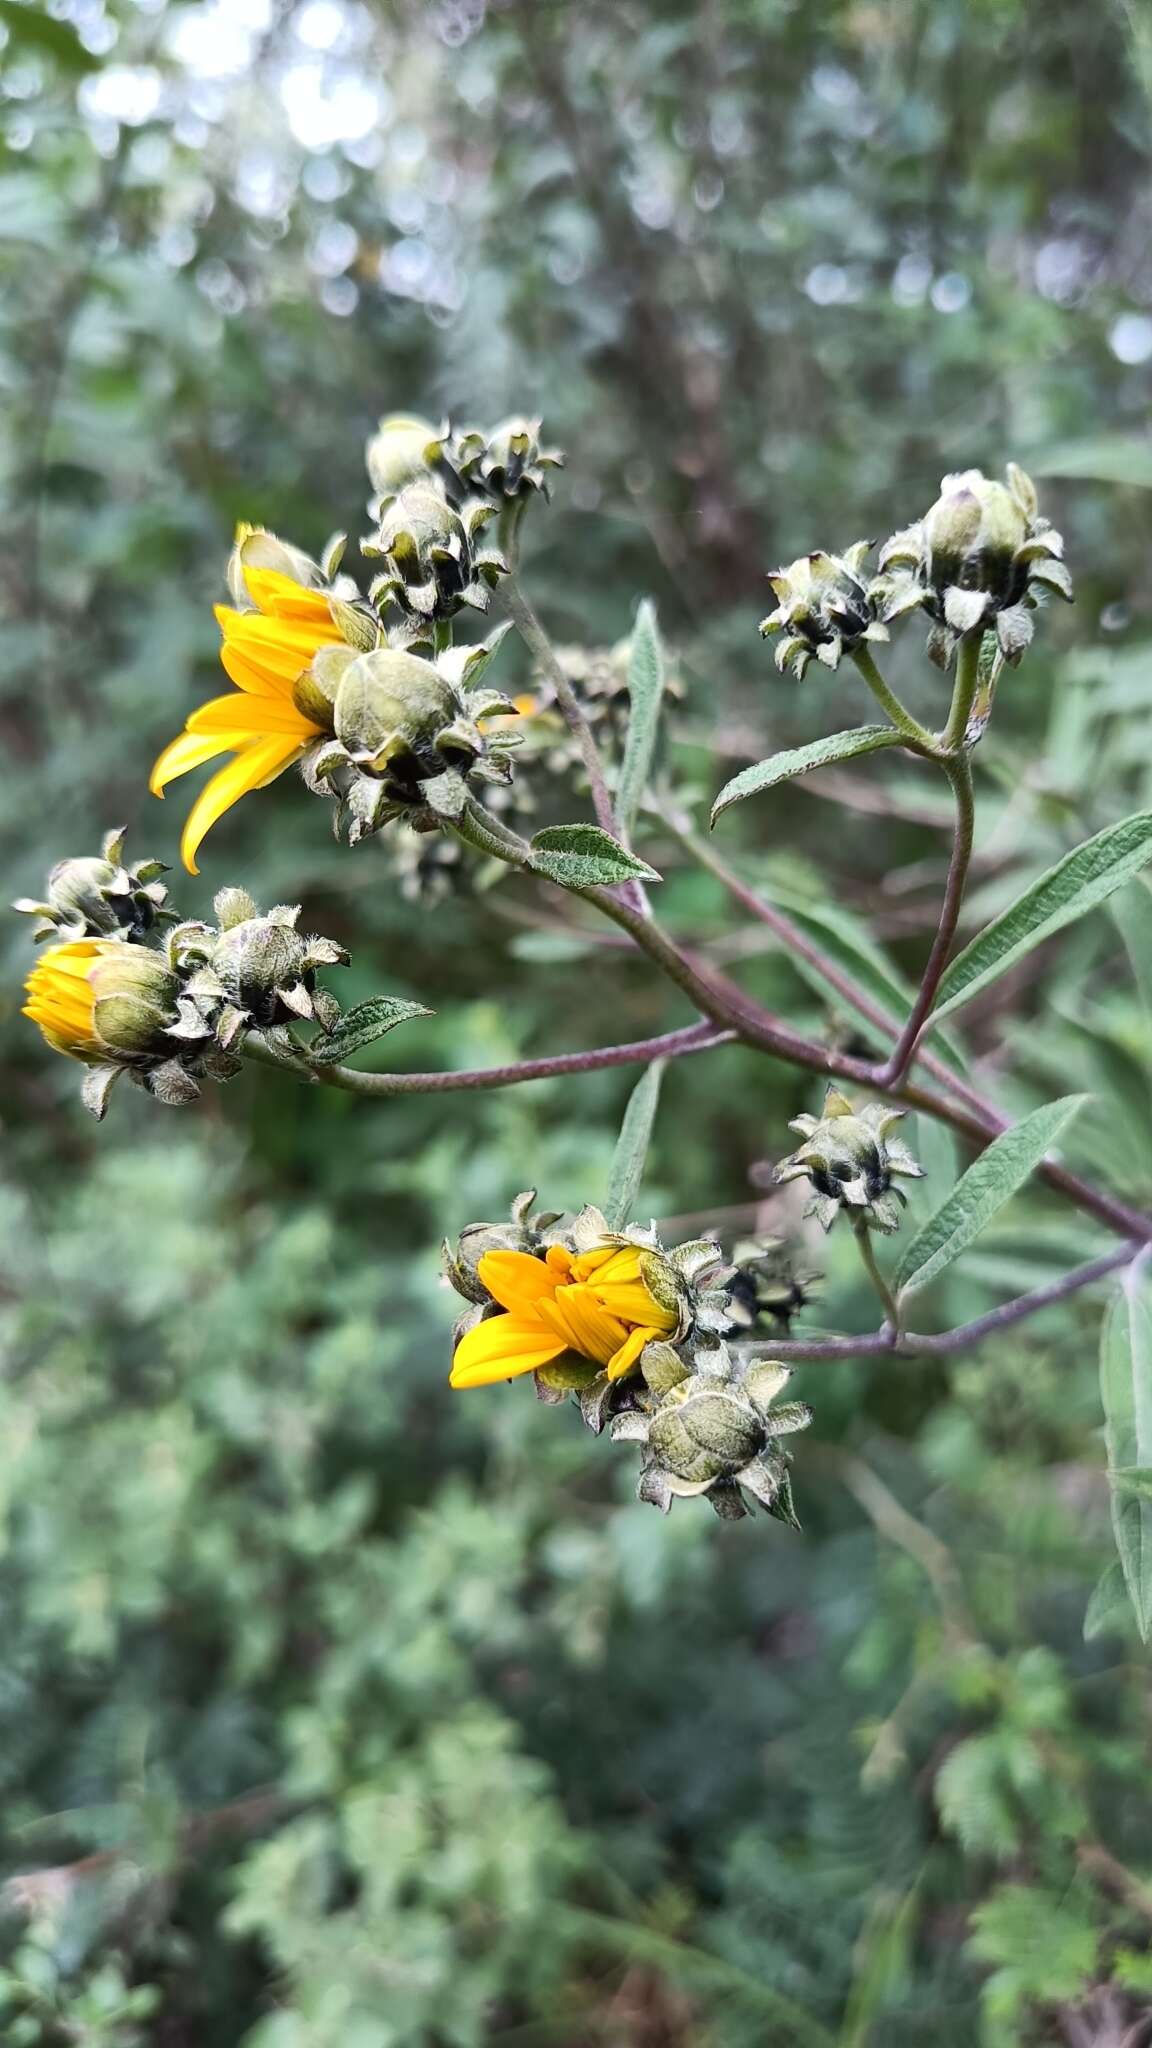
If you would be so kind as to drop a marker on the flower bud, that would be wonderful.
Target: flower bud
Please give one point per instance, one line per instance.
(507, 461)
(851, 1163)
(389, 702)
(96, 896)
(981, 557)
(824, 609)
(263, 970)
(703, 1430)
(402, 451)
(134, 1002)
(434, 562)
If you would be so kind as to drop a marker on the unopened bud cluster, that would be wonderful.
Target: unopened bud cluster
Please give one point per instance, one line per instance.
(639, 1335)
(852, 1163)
(982, 559)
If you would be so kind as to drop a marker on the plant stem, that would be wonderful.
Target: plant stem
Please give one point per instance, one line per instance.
(959, 774)
(964, 691)
(863, 1236)
(910, 1344)
(890, 703)
(536, 639)
(669, 1045)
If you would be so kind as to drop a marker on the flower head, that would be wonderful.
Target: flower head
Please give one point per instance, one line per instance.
(97, 896)
(403, 736)
(289, 611)
(434, 559)
(824, 608)
(113, 1006)
(578, 1303)
(982, 557)
(851, 1163)
(707, 1434)
(506, 461)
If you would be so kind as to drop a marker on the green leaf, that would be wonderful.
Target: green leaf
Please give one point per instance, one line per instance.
(632, 1146)
(1109, 1610)
(1134, 1479)
(1100, 458)
(1084, 878)
(645, 691)
(1126, 1392)
(987, 1185)
(1132, 912)
(362, 1026)
(837, 746)
(30, 27)
(584, 857)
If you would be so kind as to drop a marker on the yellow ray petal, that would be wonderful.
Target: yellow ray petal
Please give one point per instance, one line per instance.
(189, 750)
(251, 715)
(577, 1315)
(631, 1301)
(280, 596)
(501, 1349)
(259, 764)
(516, 1280)
(281, 647)
(623, 1360)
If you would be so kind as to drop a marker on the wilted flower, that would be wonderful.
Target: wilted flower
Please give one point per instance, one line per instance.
(505, 461)
(292, 610)
(434, 560)
(765, 1286)
(982, 557)
(851, 1163)
(398, 735)
(707, 1434)
(97, 896)
(824, 608)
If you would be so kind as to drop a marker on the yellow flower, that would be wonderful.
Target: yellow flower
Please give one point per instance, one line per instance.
(595, 1303)
(61, 998)
(265, 652)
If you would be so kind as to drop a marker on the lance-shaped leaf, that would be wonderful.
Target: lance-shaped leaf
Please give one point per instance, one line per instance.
(362, 1026)
(976, 1197)
(837, 746)
(584, 857)
(1085, 877)
(845, 940)
(1126, 1392)
(632, 1146)
(645, 694)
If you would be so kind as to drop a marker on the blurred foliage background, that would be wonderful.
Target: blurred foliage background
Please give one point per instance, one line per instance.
(335, 1709)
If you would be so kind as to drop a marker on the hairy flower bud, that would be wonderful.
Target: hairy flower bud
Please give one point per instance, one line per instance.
(404, 450)
(507, 461)
(824, 609)
(712, 1433)
(982, 557)
(114, 1006)
(96, 896)
(851, 1162)
(434, 562)
(408, 734)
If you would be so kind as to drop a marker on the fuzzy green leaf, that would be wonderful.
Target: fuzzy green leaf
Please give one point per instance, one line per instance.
(1084, 878)
(363, 1026)
(1126, 1392)
(645, 692)
(837, 746)
(584, 857)
(987, 1185)
(632, 1146)
(1109, 1611)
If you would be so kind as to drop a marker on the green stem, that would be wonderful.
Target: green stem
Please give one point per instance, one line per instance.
(959, 773)
(964, 690)
(863, 1238)
(890, 703)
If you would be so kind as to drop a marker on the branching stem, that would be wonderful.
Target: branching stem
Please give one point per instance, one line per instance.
(867, 1251)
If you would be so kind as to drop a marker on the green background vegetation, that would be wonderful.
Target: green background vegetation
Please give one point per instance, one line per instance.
(337, 1711)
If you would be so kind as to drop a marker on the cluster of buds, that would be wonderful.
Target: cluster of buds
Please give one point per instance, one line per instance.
(982, 559)
(638, 1335)
(171, 1009)
(437, 490)
(851, 1163)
